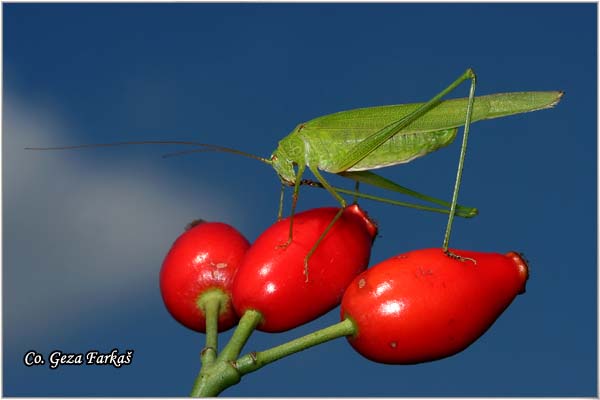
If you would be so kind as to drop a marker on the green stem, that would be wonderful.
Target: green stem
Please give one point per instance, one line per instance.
(225, 372)
(210, 303)
(215, 378)
(240, 336)
(212, 320)
(222, 373)
(255, 360)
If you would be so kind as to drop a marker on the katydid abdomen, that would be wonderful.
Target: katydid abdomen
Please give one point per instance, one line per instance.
(322, 142)
(328, 147)
(446, 114)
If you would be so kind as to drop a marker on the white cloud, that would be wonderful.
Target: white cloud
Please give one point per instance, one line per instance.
(81, 236)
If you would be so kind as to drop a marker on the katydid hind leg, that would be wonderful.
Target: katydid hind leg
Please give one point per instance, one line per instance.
(372, 142)
(461, 160)
(373, 179)
(468, 212)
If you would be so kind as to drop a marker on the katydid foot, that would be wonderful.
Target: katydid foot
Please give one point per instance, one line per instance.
(450, 254)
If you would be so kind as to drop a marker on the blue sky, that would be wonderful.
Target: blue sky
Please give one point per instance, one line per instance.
(85, 231)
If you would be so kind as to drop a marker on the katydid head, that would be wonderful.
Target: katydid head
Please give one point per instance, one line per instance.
(284, 167)
(289, 153)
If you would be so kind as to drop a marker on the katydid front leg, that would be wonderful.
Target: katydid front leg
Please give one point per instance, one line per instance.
(356, 192)
(297, 183)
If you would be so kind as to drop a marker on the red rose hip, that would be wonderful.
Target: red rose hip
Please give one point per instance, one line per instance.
(204, 258)
(272, 281)
(424, 305)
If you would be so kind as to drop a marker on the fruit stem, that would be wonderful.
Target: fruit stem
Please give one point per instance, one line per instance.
(255, 360)
(210, 304)
(210, 307)
(225, 372)
(219, 374)
(240, 336)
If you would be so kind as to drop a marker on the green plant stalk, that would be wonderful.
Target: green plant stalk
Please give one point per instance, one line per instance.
(210, 305)
(240, 336)
(220, 374)
(255, 360)
(225, 372)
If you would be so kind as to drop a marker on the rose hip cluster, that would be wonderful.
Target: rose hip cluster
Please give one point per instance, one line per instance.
(269, 276)
(415, 307)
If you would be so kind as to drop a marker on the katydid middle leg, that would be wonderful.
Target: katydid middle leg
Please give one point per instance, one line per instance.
(337, 216)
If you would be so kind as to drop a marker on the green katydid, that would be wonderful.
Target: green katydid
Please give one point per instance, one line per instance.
(352, 143)
(349, 142)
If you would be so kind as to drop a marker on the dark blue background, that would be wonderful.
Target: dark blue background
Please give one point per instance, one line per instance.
(85, 231)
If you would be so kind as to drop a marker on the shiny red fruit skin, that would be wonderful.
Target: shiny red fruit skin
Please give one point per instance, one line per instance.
(423, 305)
(205, 257)
(271, 279)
